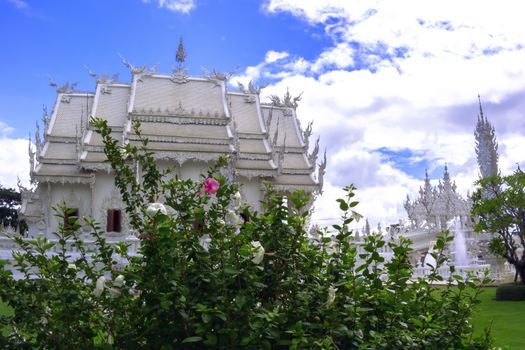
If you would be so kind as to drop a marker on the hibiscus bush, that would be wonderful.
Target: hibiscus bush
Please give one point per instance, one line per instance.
(212, 273)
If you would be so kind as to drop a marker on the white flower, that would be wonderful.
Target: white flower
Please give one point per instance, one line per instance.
(204, 241)
(331, 295)
(258, 254)
(233, 219)
(135, 293)
(237, 196)
(221, 223)
(114, 292)
(99, 286)
(119, 281)
(170, 210)
(72, 266)
(237, 200)
(356, 216)
(154, 208)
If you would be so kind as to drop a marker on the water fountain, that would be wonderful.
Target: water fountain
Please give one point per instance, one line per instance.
(462, 263)
(461, 257)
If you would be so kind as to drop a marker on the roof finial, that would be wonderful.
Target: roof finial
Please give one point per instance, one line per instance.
(180, 56)
(480, 109)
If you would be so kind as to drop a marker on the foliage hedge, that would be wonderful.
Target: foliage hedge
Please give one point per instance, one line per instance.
(207, 278)
(510, 292)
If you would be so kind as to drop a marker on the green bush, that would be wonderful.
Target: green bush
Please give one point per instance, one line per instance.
(510, 292)
(205, 278)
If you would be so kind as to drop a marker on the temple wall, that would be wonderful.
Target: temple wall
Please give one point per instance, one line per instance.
(193, 169)
(251, 192)
(163, 165)
(105, 196)
(74, 195)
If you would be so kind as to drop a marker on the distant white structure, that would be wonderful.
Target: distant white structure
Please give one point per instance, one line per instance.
(435, 206)
(440, 207)
(486, 146)
(190, 122)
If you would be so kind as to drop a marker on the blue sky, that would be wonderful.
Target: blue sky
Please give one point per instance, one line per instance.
(60, 37)
(390, 85)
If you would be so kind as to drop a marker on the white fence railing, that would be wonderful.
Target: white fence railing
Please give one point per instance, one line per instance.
(8, 246)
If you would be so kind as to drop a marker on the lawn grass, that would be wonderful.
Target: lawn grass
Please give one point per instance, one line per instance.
(507, 317)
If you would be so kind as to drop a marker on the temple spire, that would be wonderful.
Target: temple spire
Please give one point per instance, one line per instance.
(480, 116)
(180, 56)
(486, 146)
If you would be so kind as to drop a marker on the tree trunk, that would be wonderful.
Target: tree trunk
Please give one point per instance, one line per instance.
(521, 270)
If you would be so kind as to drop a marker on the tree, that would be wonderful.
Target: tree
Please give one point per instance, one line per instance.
(499, 206)
(10, 199)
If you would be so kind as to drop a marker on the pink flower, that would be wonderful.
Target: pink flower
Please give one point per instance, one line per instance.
(211, 186)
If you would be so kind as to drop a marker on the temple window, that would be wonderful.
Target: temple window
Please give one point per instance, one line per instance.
(113, 223)
(68, 215)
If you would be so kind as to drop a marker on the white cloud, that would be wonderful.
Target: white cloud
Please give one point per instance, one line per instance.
(406, 81)
(183, 6)
(5, 129)
(469, 26)
(511, 150)
(14, 158)
(262, 70)
(14, 163)
(274, 56)
(312, 11)
(339, 57)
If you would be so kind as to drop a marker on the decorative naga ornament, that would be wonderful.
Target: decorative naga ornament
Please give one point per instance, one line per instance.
(486, 145)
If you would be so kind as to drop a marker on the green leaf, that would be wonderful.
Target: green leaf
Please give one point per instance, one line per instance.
(342, 204)
(192, 339)
(230, 271)
(211, 340)
(206, 318)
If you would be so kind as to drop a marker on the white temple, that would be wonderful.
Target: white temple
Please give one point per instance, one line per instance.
(436, 206)
(441, 207)
(189, 121)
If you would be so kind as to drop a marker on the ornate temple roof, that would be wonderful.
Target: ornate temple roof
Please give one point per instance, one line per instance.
(437, 205)
(184, 118)
(289, 141)
(57, 156)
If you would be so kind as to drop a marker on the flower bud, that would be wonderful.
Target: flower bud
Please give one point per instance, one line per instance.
(258, 254)
(154, 208)
(233, 219)
(119, 281)
(99, 286)
(331, 295)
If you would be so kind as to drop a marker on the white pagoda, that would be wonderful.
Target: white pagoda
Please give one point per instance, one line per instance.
(190, 122)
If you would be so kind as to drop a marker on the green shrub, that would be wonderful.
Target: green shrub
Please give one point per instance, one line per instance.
(205, 278)
(510, 292)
